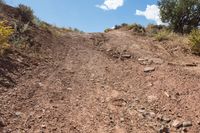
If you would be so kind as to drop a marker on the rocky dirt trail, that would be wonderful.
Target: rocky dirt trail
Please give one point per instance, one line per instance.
(106, 83)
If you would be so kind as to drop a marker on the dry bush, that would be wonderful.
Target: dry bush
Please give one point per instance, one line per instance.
(137, 28)
(26, 13)
(19, 37)
(194, 41)
(5, 32)
(162, 35)
(153, 29)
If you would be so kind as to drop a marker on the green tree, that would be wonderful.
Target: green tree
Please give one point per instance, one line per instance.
(182, 15)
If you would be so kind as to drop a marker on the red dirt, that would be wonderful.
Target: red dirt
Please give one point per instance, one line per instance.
(94, 83)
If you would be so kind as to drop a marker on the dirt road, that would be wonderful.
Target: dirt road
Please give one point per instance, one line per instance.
(112, 82)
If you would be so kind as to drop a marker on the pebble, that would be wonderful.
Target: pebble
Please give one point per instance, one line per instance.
(166, 119)
(18, 113)
(126, 56)
(2, 123)
(157, 60)
(142, 59)
(43, 126)
(122, 119)
(69, 89)
(152, 114)
(19, 60)
(176, 124)
(149, 69)
(141, 111)
(167, 94)
(187, 123)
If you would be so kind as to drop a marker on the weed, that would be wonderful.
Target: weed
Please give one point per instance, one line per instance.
(194, 41)
(162, 35)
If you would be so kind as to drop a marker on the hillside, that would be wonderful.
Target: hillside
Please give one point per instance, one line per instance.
(114, 82)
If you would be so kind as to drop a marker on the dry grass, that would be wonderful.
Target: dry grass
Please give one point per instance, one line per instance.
(5, 32)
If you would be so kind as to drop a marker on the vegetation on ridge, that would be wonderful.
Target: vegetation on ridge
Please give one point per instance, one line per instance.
(181, 15)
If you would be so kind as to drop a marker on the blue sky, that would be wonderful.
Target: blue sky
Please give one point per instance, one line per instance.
(92, 15)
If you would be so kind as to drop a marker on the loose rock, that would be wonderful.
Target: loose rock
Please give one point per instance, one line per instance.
(157, 60)
(43, 126)
(69, 89)
(176, 124)
(149, 69)
(187, 123)
(166, 119)
(2, 123)
(18, 113)
(127, 56)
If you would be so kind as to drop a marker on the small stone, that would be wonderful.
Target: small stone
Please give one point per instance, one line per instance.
(149, 69)
(149, 85)
(157, 60)
(187, 123)
(122, 119)
(69, 89)
(166, 119)
(142, 59)
(176, 124)
(2, 123)
(43, 126)
(141, 111)
(152, 114)
(19, 60)
(167, 94)
(18, 113)
(126, 56)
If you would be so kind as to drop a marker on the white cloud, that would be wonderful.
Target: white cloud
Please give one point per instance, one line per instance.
(152, 12)
(111, 4)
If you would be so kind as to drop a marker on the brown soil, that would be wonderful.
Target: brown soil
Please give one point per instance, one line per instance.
(95, 83)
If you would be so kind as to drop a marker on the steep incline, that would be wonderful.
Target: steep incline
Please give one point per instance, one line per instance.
(106, 83)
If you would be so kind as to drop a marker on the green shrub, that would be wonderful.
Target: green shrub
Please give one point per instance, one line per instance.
(162, 35)
(26, 13)
(107, 30)
(194, 40)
